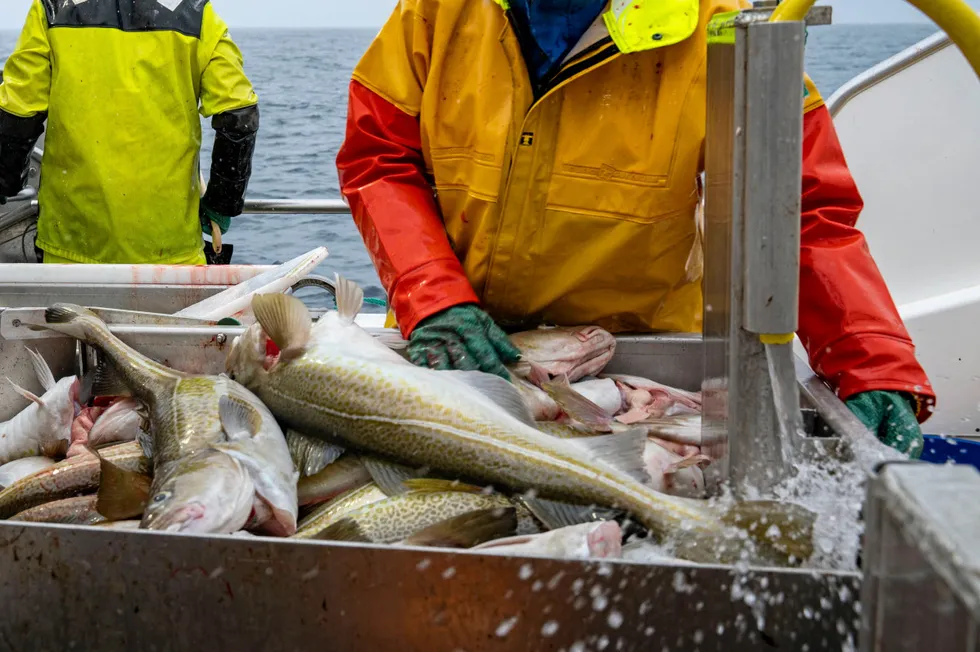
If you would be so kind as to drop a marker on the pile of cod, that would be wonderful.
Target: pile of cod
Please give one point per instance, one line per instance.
(322, 431)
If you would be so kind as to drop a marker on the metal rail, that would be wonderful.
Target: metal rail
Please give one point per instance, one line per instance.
(887, 68)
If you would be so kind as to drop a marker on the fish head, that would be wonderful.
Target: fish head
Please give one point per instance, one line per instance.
(207, 493)
(248, 358)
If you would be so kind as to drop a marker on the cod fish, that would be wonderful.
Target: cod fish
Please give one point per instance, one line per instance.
(602, 540)
(79, 510)
(348, 472)
(68, 478)
(11, 472)
(474, 425)
(215, 446)
(573, 352)
(332, 511)
(427, 503)
(44, 426)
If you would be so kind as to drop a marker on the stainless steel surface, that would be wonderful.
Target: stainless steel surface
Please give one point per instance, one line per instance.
(132, 590)
(26, 194)
(921, 559)
(670, 359)
(773, 171)
(753, 86)
(819, 15)
(21, 323)
(297, 206)
(168, 592)
(886, 69)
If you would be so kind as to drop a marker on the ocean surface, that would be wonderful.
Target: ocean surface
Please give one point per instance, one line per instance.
(301, 77)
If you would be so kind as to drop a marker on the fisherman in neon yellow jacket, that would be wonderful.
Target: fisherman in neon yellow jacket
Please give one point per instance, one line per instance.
(120, 83)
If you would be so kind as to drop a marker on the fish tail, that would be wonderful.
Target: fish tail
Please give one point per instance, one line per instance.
(783, 530)
(74, 320)
(138, 371)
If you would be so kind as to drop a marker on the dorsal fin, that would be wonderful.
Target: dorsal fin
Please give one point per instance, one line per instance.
(350, 298)
(41, 369)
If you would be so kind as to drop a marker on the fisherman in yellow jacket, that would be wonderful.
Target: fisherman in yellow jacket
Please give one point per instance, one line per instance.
(121, 83)
(511, 163)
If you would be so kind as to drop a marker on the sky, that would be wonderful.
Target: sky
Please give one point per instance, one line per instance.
(371, 13)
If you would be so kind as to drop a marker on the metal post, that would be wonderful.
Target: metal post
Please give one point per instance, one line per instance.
(752, 231)
(921, 589)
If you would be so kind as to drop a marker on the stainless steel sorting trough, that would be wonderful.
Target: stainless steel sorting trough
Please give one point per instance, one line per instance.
(88, 588)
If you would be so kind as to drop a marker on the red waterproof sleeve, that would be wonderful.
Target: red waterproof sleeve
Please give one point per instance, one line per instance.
(848, 321)
(382, 176)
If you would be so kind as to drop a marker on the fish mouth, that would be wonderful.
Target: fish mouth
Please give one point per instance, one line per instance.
(178, 519)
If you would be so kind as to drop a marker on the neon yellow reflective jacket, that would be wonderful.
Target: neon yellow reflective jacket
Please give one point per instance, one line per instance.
(122, 83)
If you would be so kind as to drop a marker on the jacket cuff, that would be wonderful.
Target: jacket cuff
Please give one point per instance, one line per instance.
(869, 362)
(429, 289)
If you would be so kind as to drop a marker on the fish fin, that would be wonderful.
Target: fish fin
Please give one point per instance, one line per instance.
(622, 450)
(498, 390)
(695, 459)
(393, 341)
(63, 318)
(680, 429)
(437, 485)
(311, 454)
(575, 405)
(350, 298)
(41, 369)
(345, 529)
(30, 396)
(122, 494)
(286, 320)
(145, 441)
(238, 419)
(389, 477)
(85, 385)
(467, 530)
(555, 515)
(108, 382)
(783, 528)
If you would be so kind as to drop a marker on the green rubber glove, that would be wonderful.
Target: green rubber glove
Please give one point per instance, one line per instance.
(462, 337)
(207, 216)
(891, 417)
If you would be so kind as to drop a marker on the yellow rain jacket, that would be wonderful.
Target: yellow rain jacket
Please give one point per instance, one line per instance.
(121, 83)
(573, 207)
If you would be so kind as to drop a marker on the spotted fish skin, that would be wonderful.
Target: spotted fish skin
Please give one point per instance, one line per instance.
(354, 395)
(185, 420)
(398, 517)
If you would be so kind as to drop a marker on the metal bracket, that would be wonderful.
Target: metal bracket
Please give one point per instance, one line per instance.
(817, 16)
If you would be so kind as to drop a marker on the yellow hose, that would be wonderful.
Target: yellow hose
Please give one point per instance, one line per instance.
(954, 17)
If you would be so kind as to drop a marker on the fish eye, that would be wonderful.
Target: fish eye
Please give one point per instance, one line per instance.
(160, 497)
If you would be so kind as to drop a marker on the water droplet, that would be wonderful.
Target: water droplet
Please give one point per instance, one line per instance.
(599, 603)
(449, 572)
(649, 631)
(537, 586)
(615, 619)
(549, 628)
(505, 627)
(525, 572)
(698, 636)
(602, 643)
(422, 565)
